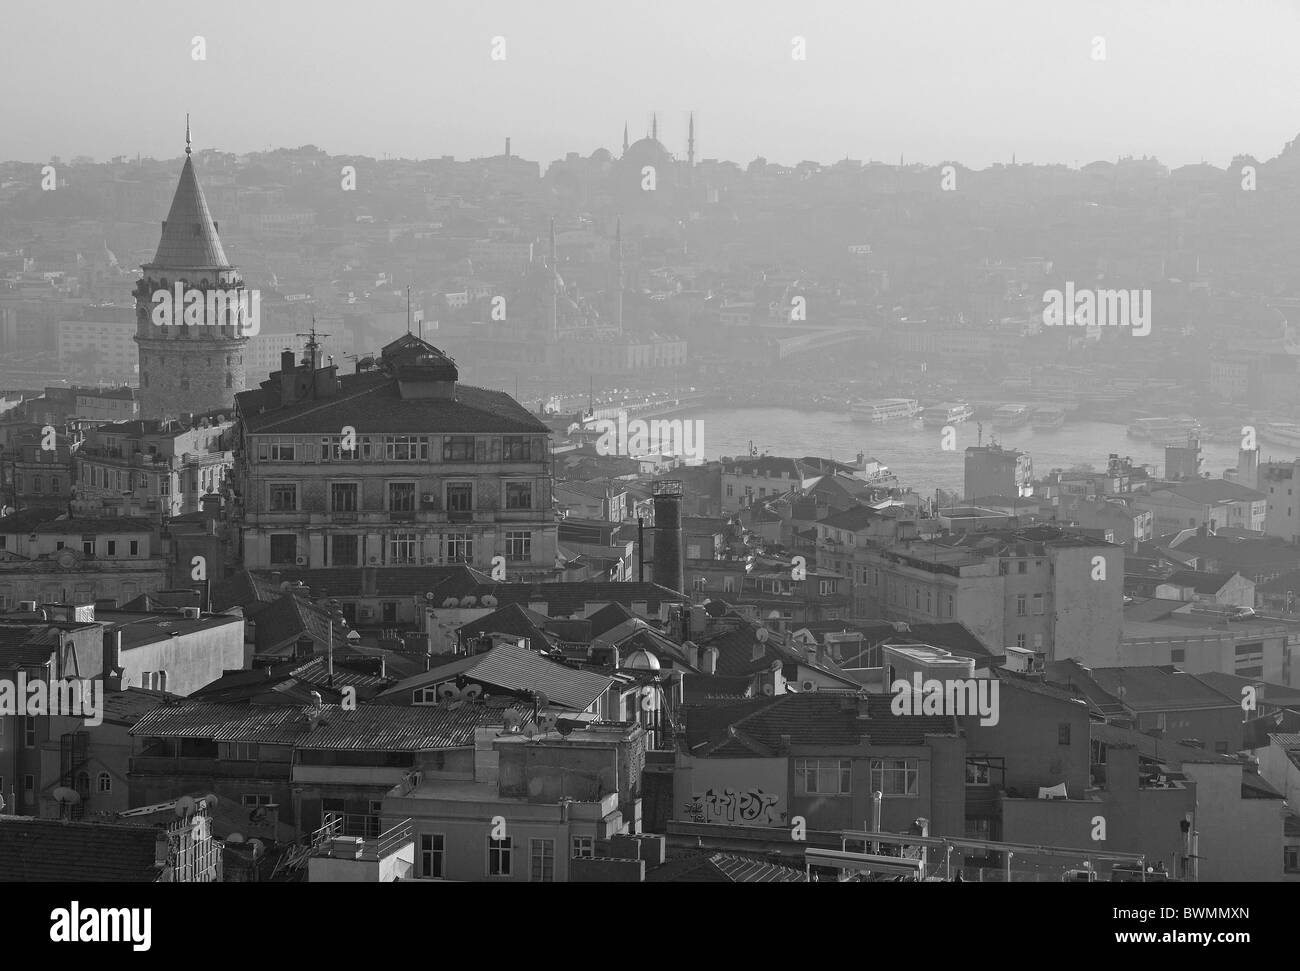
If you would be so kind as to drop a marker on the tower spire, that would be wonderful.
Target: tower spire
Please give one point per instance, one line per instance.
(690, 142)
(654, 126)
(187, 133)
(624, 138)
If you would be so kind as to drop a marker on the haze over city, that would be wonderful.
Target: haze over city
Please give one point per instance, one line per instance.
(931, 81)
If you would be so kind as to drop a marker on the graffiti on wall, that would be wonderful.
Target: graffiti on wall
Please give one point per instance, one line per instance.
(728, 805)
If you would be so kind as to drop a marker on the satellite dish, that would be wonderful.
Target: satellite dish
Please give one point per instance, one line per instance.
(541, 699)
(564, 726)
(761, 635)
(769, 689)
(547, 721)
(429, 596)
(211, 800)
(530, 731)
(472, 691)
(184, 805)
(511, 721)
(64, 794)
(448, 691)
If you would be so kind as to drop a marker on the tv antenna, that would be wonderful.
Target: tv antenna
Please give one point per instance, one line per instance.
(313, 345)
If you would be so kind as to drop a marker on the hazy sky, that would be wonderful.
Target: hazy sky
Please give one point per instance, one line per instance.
(934, 80)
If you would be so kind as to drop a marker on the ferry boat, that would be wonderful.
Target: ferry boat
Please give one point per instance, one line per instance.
(885, 409)
(1048, 418)
(1165, 431)
(1281, 433)
(947, 413)
(1010, 416)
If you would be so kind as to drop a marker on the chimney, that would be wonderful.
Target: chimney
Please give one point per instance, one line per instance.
(112, 672)
(287, 364)
(668, 564)
(276, 578)
(709, 660)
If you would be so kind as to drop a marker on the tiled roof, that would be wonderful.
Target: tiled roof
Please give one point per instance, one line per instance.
(372, 402)
(514, 619)
(126, 707)
(1230, 685)
(53, 850)
(97, 525)
(22, 644)
(377, 728)
(567, 598)
(514, 669)
(1199, 580)
(1161, 688)
(851, 520)
(827, 719)
(723, 868)
(1213, 490)
(189, 236)
(456, 580)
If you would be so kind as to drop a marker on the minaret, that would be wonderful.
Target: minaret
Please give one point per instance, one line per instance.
(555, 286)
(690, 143)
(624, 138)
(618, 236)
(195, 366)
(654, 126)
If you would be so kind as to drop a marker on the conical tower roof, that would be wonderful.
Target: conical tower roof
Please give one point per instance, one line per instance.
(189, 236)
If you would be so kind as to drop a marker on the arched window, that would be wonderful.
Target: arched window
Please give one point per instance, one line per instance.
(105, 782)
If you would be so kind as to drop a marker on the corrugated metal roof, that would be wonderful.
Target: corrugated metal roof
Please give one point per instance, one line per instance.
(520, 669)
(271, 725)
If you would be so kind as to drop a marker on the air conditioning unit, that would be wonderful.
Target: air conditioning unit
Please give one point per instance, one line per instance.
(302, 561)
(428, 497)
(367, 612)
(807, 685)
(374, 559)
(193, 613)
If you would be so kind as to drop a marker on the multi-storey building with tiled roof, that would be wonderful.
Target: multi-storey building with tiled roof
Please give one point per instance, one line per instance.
(395, 465)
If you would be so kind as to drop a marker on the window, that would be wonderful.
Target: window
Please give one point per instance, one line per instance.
(499, 856)
(343, 497)
(519, 495)
(284, 548)
(823, 776)
(458, 547)
(699, 584)
(1022, 566)
(54, 483)
(401, 548)
(947, 612)
(29, 788)
(406, 448)
(583, 847)
(38, 484)
(826, 587)
(401, 497)
(1221, 748)
(276, 450)
(516, 448)
(1021, 605)
(251, 800)
(343, 550)
(460, 497)
(541, 853)
(1038, 604)
(519, 545)
(458, 448)
(29, 732)
(1177, 655)
(112, 547)
(88, 547)
(424, 696)
(1003, 568)
(135, 547)
(433, 854)
(730, 490)
(238, 751)
(895, 777)
(1063, 733)
(104, 783)
(284, 496)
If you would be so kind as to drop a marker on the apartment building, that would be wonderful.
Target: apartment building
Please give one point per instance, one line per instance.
(395, 465)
